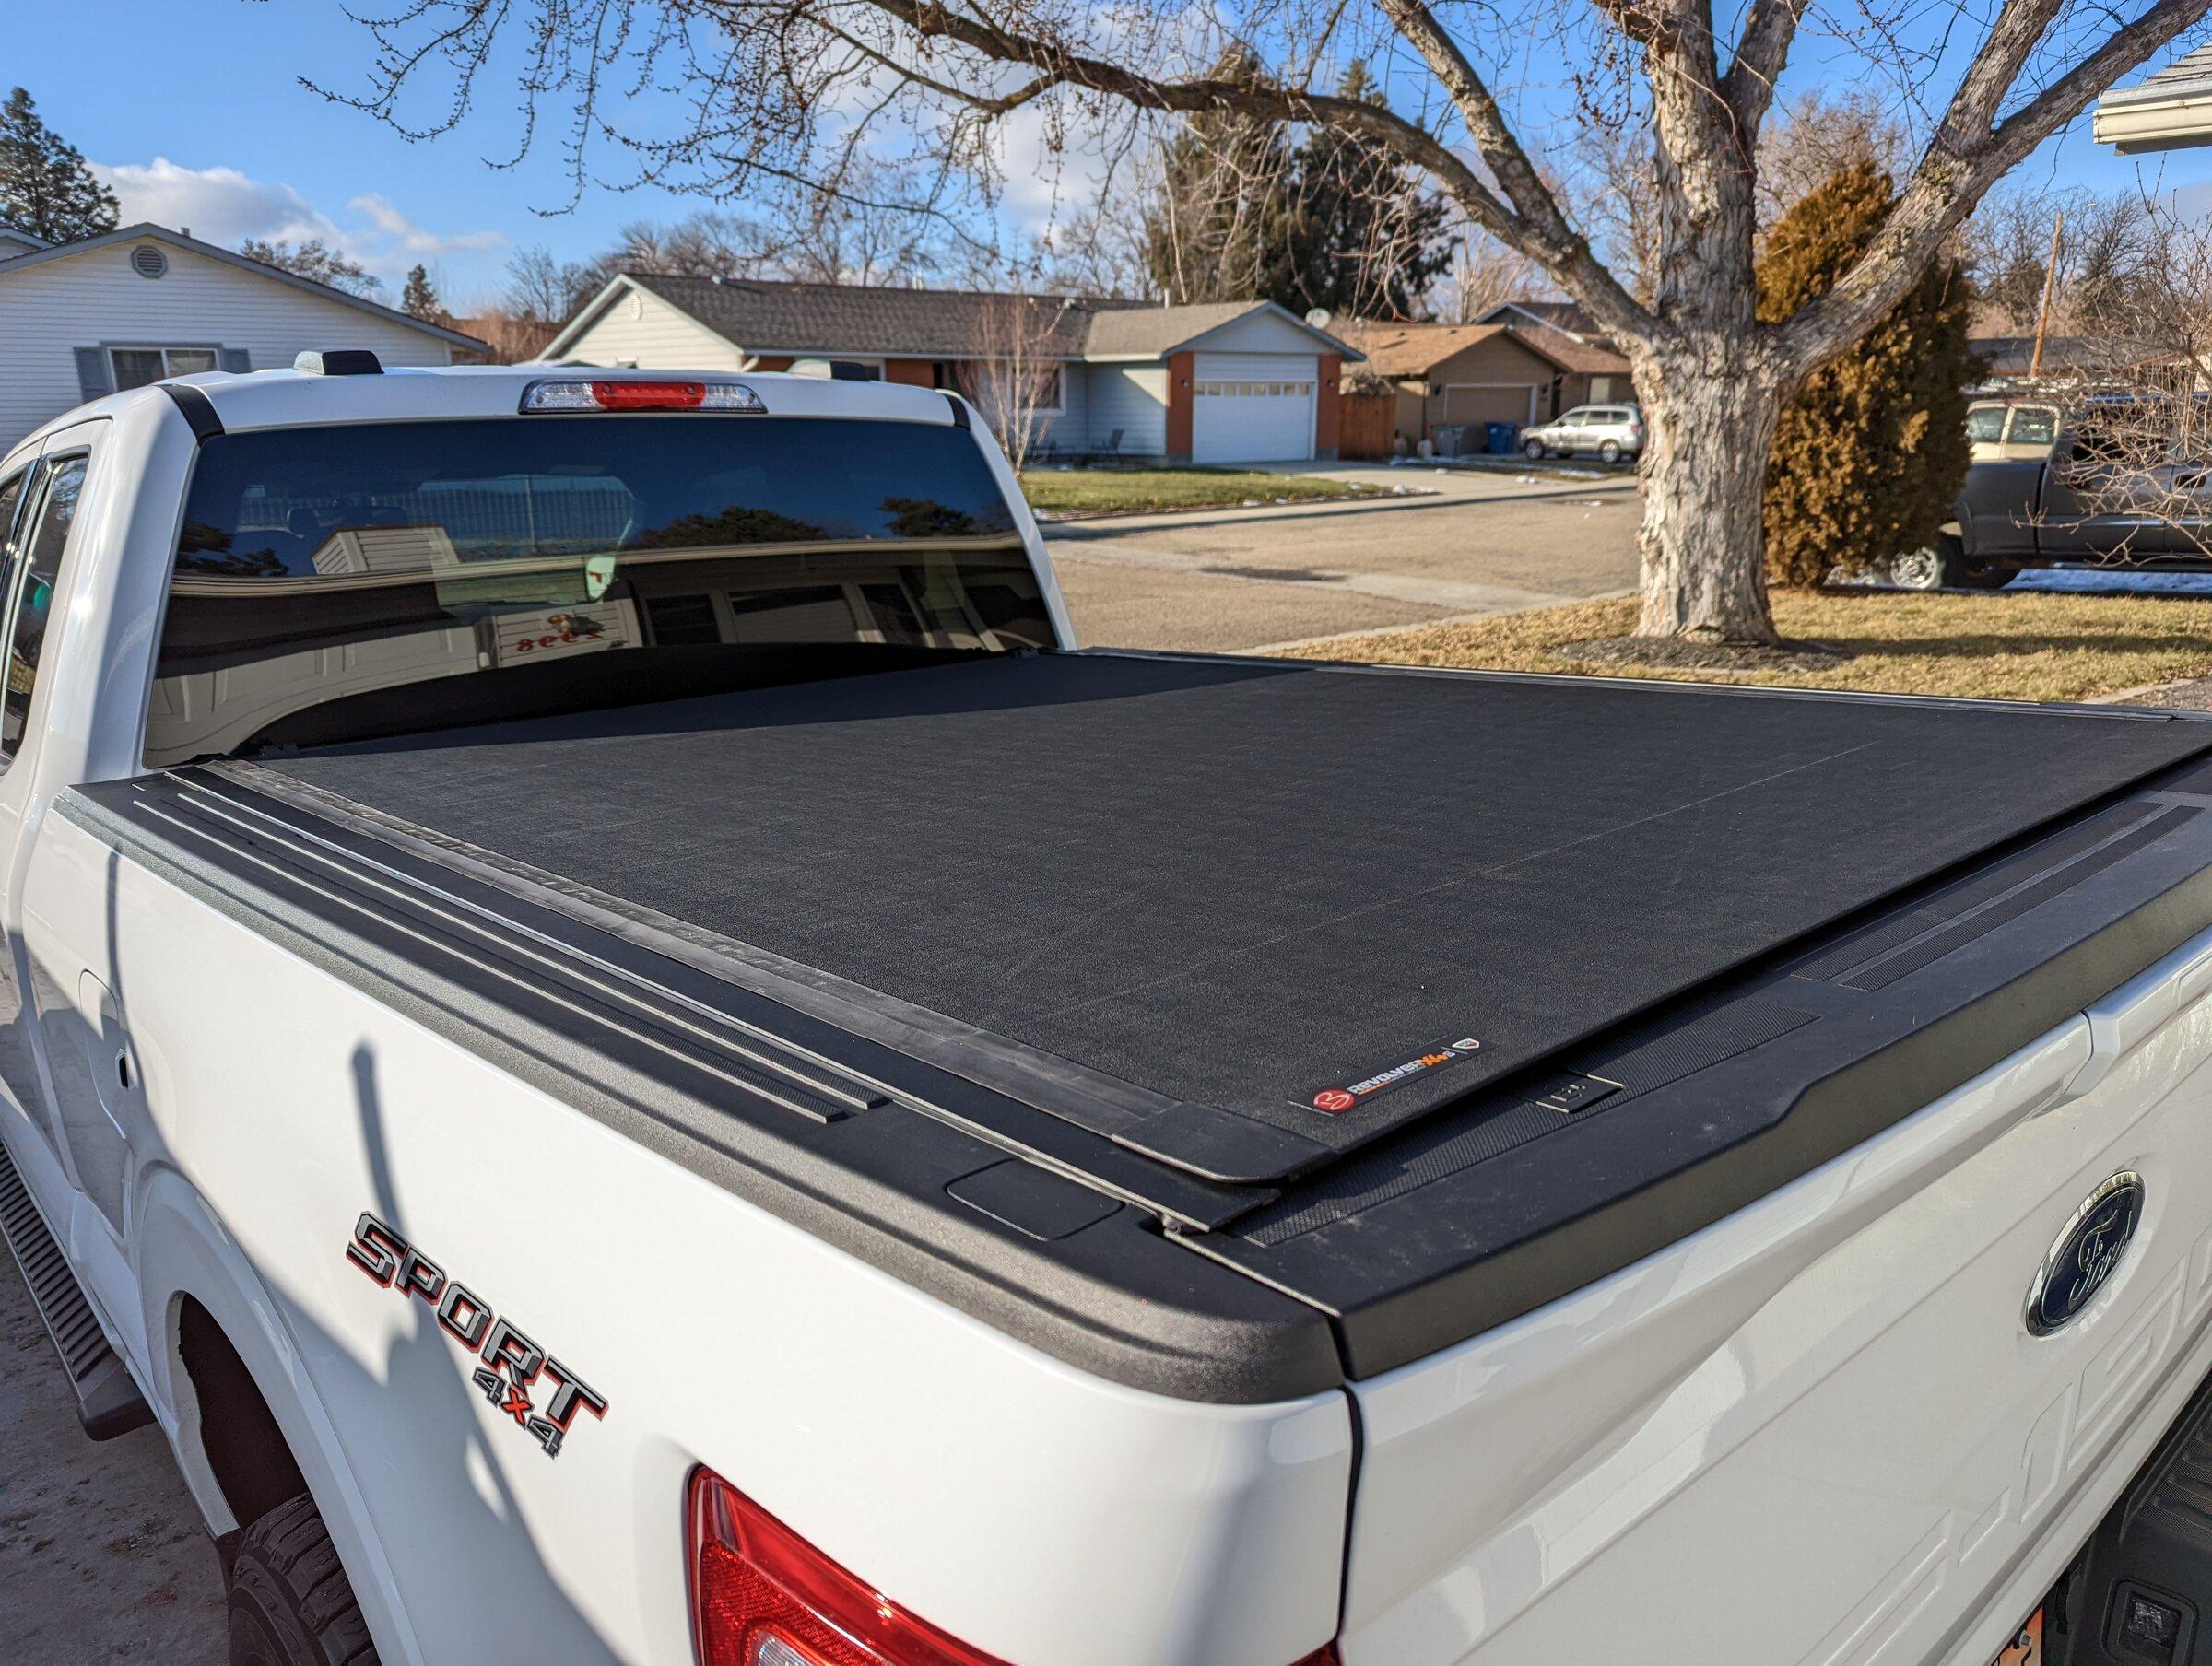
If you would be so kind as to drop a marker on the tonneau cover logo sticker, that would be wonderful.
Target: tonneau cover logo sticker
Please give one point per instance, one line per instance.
(506, 1363)
(1336, 1100)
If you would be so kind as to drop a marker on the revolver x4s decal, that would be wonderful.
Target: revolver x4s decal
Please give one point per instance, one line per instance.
(508, 1363)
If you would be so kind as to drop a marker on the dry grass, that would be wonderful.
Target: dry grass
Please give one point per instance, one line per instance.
(1075, 493)
(2030, 646)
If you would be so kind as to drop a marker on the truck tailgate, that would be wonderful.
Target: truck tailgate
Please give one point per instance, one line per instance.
(1819, 1430)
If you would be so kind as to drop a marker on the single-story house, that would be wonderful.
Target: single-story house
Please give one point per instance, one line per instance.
(1461, 375)
(1236, 382)
(2170, 110)
(1596, 373)
(130, 306)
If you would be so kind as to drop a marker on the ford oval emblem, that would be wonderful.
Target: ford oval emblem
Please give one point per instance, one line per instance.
(2086, 1253)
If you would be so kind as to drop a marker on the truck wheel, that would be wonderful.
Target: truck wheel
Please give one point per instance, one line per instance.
(1945, 565)
(290, 1601)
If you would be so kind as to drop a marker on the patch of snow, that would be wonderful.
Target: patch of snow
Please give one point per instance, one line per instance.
(2105, 582)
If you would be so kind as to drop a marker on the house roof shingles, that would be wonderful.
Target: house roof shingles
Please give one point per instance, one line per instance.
(763, 315)
(775, 316)
(2189, 75)
(1410, 350)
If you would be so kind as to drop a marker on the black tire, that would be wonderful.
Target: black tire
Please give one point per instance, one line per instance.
(1608, 450)
(1945, 565)
(290, 1601)
(1534, 449)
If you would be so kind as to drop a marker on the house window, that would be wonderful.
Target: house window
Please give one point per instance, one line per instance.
(139, 366)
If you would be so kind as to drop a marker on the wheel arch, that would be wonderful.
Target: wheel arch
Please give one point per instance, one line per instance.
(224, 1350)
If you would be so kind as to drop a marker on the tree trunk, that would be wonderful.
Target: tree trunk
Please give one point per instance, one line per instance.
(1703, 540)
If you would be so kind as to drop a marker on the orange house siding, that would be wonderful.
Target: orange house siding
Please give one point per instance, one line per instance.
(1179, 407)
(914, 373)
(772, 363)
(1326, 411)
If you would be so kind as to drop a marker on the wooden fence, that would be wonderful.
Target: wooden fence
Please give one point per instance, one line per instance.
(1367, 423)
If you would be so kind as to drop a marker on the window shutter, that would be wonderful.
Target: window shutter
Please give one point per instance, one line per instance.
(235, 359)
(94, 378)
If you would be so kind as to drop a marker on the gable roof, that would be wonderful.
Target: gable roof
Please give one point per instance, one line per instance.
(1565, 316)
(1411, 351)
(15, 234)
(776, 315)
(145, 230)
(1155, 330)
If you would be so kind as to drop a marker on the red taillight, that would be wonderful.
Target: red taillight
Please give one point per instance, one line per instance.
(649, 395)
(762, 1596)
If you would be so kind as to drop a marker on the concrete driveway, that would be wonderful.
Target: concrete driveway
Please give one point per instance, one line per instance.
(1475, 544)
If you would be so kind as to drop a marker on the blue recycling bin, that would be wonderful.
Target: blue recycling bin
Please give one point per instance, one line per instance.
(1501, 437)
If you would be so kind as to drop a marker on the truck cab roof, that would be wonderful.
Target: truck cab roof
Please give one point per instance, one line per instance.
(290, 397)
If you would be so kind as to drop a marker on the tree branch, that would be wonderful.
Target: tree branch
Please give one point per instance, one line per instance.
(1967, 156)
(1527, 218)
(1760, 51)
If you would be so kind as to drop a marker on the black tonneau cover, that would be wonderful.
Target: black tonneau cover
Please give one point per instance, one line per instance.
(1239, 915)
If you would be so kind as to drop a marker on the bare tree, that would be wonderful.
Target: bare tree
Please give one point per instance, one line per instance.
(1484, 274)
(316, 261)
(784, 89)
(1096, 247)
(2110, 256)
(1015, 379)
(2140, 448)
(1818, 135)
(545, 289)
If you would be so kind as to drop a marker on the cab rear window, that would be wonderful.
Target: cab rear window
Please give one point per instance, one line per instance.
(368, 581)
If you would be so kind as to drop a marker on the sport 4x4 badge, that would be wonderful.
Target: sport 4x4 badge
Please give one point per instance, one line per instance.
(508, 1363)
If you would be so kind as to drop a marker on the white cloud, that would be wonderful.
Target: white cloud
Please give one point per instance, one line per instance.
(220, 205)
(224, 206)
(407, 238)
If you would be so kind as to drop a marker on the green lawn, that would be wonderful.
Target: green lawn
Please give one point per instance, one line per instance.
(1072, 493)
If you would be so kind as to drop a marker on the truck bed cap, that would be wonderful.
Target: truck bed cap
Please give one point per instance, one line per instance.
(1239, 915)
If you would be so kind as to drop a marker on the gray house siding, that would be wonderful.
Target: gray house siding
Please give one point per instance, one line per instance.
(1133, 398)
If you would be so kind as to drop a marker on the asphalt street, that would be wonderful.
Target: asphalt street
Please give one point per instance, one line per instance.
(1462, 545)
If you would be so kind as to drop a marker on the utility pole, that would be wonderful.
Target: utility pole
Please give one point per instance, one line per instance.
(2042, 313)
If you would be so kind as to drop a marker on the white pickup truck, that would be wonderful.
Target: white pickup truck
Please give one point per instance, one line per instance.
(637, 1060)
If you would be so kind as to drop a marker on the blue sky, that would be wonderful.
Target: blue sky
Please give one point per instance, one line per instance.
(194, 108)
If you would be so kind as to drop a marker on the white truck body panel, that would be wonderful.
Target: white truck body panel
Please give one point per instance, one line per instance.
(1817, 1431)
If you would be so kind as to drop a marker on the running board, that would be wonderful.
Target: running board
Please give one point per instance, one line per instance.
(108, 1401)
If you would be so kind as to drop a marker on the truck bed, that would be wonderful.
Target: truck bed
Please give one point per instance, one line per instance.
(1177, 909)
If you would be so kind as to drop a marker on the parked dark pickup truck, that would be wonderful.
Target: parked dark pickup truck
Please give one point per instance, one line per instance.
(2087, 500)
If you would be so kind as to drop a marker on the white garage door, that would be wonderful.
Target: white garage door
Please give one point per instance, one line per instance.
(1251, 407)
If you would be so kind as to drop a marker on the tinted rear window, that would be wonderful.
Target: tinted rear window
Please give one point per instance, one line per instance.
(368, 581)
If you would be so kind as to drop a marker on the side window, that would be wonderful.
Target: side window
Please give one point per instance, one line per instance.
(36, 565)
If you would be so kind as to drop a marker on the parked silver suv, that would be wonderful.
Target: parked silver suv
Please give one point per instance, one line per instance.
(1613, 431)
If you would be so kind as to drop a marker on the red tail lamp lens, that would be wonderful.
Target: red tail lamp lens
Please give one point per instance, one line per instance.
(762, 1596)
(649, 395)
